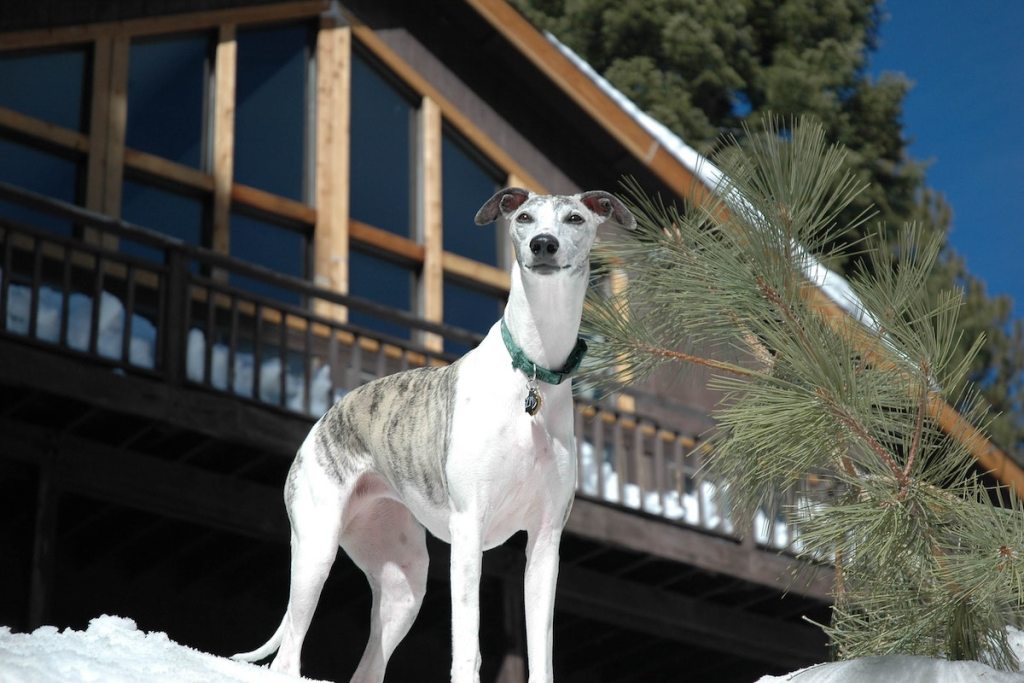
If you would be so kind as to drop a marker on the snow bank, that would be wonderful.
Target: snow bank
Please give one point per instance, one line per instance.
(898, 670)
(113, 650)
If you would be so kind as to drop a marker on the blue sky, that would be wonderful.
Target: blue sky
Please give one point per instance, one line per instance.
(965, 115)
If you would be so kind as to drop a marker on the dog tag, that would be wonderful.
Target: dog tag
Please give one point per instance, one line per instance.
(533, 401)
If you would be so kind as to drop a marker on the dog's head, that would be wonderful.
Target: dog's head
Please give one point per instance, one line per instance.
(553, 234)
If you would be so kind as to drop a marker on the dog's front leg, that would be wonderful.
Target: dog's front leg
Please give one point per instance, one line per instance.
(541, 577)
(467, 557)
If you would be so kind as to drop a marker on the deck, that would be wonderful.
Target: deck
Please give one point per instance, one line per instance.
(165, 378)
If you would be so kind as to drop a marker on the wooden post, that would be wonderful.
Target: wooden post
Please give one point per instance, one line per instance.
(108, 117)
(513, 665)
(44, 547)
(432, 284)
(223, 147)
(331, 233)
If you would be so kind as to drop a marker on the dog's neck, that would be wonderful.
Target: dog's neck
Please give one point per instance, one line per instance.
(543, 314)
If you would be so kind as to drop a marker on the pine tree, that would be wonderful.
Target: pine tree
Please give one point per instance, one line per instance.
(705, 68)
(925, 563)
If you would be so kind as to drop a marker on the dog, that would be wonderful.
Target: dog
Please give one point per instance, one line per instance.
(473, 452)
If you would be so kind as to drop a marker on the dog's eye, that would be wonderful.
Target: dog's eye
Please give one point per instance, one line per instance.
(523, 218)
(574, 218)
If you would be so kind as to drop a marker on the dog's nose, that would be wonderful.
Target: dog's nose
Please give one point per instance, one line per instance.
(544, 244)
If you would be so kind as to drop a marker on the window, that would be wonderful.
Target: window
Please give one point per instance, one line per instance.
(271, 112)
(280, 248)
(167, 97)
(176, 215)
(33, 169)
(381, 151)
(46, 85)
(466, 181)
(385, 282)
(470, 309)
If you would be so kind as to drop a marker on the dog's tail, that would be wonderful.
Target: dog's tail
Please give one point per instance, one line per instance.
(268, 648)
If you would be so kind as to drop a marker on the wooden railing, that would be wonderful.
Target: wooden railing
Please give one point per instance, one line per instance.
(141, 302)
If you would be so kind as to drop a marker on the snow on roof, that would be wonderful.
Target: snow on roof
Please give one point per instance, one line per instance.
(834, 285)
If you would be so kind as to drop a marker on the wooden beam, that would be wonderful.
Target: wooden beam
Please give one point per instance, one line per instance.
(117, 126)
(43, 131)
(421, 85)
(25, 368)
(179, 174)
(432, 280)
(171, 23)
(532, 44)
(331, 233)
(385, 241)
(158, 486)
(477, 273)
(273, 204)
(44, 550)
(96, 166)
(674, 616)
(663, 538)
(225, 63)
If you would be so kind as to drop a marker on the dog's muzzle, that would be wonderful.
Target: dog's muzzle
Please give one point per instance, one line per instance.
(544, 248)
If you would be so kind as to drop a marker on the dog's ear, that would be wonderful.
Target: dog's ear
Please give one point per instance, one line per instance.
(502, 203)
(604, 204)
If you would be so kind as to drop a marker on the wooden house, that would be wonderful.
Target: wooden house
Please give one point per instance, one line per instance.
(216, 216)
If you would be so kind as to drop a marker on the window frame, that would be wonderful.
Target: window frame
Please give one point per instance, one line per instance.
(108, 159)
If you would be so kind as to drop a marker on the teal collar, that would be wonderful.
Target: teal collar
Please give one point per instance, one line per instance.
(532, 370)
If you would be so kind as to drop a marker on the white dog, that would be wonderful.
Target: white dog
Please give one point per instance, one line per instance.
(474, 452)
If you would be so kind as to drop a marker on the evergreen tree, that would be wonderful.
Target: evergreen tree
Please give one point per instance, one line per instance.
(704, 68)
(925, 563)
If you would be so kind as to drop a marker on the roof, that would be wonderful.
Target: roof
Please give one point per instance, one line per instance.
(689, 174)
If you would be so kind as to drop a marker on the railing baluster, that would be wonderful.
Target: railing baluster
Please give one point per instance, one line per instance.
(257, 353)
(97, 300)
(640, 463)
(5, 278)
(283, 355)
(598, 441)
(211, 336)
(307, 370)
(659, 469)
(65, 297)
(355, 371)
(37, 276)
(232, 345)
(577, 430)
(619, 457)
(382, 362)
(332, 351)
(129, 312)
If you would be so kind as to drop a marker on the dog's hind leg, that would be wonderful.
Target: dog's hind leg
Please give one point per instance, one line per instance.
(389, 545)
(315, 504)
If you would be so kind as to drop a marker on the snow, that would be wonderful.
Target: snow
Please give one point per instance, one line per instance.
(897, 670)
(113, 650)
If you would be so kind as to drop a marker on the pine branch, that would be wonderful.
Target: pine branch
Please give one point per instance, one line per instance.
(924, 563)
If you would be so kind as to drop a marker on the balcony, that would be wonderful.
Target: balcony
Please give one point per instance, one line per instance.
(131, 326)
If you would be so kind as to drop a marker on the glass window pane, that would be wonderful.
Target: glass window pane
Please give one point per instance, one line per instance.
(173, 214)
(466, 184)
(166, 92)
(470, 309)
(38, 171)
(267, 244)
(384, 282)
(46, 85)
(270, 109)
(381, 164)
